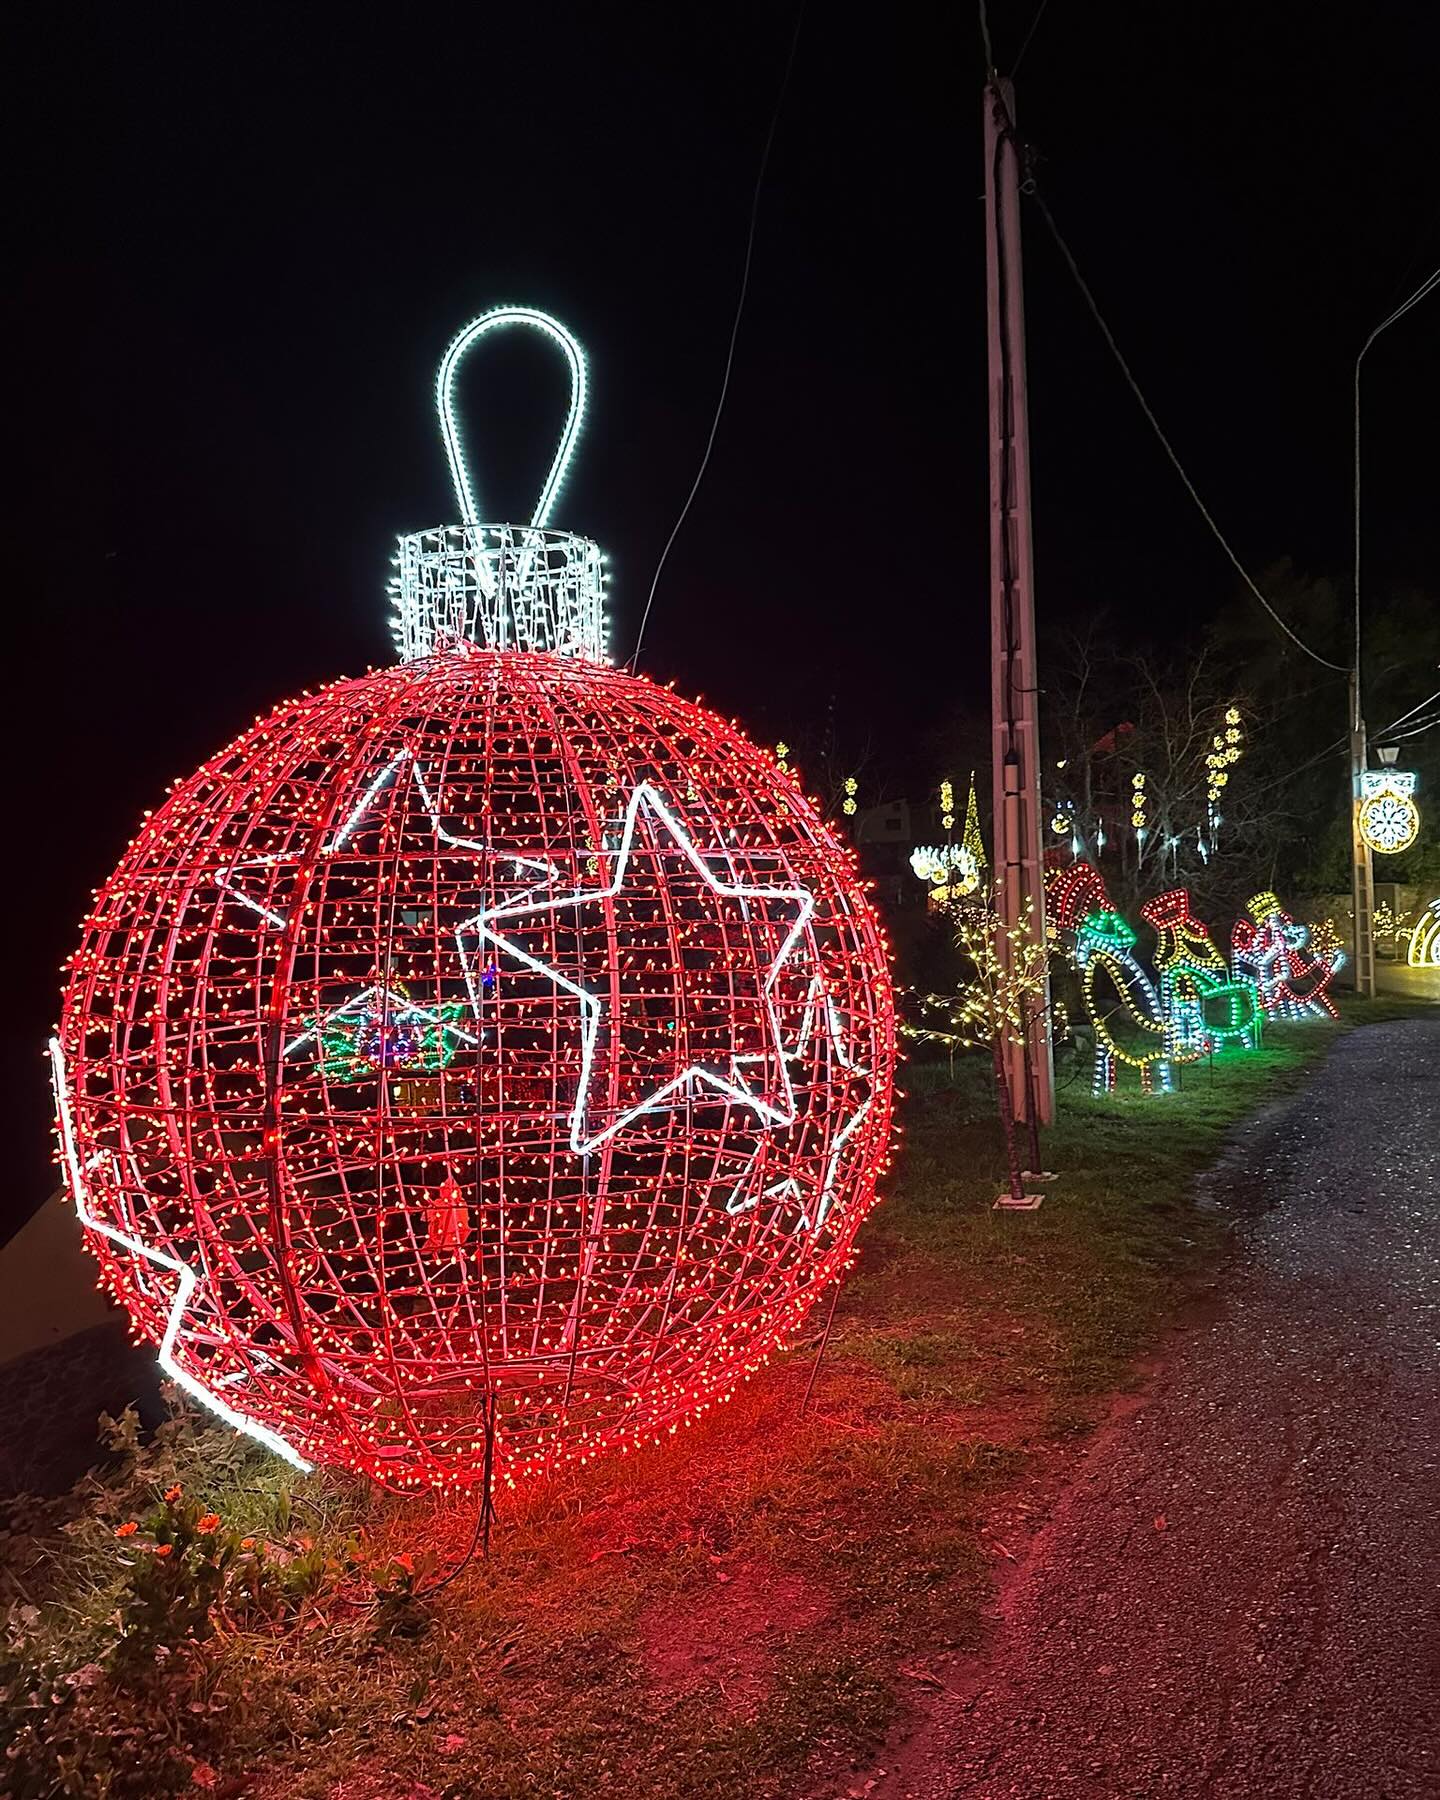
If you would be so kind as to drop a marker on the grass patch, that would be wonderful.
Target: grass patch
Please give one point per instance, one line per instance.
(726, 1616)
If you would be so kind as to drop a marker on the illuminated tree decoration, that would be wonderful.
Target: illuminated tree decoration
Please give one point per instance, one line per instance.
(947, 804)
(849, 804)
(949, 870)
(1137, 806)
(1325, 939)
(998, 1004)
(1424, 951)
(1387, 923)
(382, 1028)
(1389, 817)
(1269, 948)
(1203, 1009)
(1226, 749)
(496, 1049)
(1123, 1006)
(970, 838)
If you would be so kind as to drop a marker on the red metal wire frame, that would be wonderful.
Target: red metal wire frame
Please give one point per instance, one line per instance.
(380, 1249)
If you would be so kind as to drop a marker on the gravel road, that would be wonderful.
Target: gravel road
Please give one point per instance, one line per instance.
(1240, 1595)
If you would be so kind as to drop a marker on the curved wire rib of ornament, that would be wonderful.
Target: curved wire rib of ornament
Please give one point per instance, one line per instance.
(228, 816)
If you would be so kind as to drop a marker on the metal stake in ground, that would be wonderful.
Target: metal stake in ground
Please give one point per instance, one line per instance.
(820, 1351)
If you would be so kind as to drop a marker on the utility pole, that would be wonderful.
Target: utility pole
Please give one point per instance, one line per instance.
(1362, 868)
(1019, 869)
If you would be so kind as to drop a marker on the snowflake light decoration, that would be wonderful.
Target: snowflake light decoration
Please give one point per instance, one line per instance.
(486, 1062)
(1389, 818)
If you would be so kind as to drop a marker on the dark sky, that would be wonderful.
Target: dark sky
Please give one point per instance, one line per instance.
(245, 235)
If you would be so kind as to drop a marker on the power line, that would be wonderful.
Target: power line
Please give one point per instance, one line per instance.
(734, 333)
(1404, 307)
(1034, 25)
(1414, 255)
(1419, 706)
(1309, 763)
(1165, 443)
(1424, 288)
(985, 39)
(1417, 729)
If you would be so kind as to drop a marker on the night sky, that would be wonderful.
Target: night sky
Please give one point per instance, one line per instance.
(244, 239)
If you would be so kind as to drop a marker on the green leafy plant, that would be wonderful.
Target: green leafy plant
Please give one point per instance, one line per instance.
(400, 1583)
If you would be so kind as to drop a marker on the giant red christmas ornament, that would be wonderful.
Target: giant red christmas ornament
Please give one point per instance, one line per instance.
(484, 1063)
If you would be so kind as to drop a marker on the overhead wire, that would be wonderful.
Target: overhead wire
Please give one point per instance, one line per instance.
(1416, 730)
(1025, 45)
(1427, 286)
(1165, 444)
(1419, 706)
(1300, 768)
(988, 47)
(1430, 282)
(734, 334)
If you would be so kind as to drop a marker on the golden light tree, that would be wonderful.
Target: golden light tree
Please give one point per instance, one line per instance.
(999, 1004)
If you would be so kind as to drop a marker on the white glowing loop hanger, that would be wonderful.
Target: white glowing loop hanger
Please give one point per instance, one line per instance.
(460, 347)
(509, 586)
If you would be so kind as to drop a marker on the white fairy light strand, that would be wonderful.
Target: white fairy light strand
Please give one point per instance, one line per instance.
(460, 346)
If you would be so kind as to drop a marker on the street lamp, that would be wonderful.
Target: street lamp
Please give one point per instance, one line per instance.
(1362, 883)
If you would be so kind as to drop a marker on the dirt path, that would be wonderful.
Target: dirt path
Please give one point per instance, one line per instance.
(1240, 1595)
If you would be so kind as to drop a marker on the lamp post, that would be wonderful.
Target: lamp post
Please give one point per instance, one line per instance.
(1362, 872)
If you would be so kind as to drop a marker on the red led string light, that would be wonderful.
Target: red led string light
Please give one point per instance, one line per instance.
(384, 1235)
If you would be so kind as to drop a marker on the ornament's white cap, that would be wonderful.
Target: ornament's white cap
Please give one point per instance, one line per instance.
(510, 587)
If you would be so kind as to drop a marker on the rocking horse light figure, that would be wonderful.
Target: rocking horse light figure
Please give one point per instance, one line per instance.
(1269, 948)
(1121, 1001)
(1203, 1010)
(1120, 998)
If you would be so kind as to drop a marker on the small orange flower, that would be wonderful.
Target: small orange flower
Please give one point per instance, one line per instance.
(247, 1543)
(172, 1494)
(163, 1549)
(207, 1522)
(128, 1529)
(406, 1562)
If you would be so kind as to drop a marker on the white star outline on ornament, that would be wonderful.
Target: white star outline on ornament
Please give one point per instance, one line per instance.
(342, 835)
(405, 1007)
(682, 1086)
(818, 1004)
(187, 1281)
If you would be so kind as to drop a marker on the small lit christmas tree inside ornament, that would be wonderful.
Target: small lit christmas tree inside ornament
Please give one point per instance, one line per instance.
(486, 1062)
